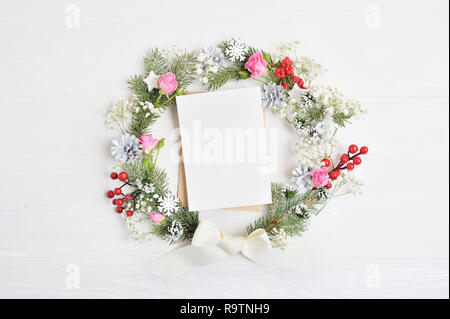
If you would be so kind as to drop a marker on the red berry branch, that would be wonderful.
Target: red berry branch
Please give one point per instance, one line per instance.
(350, 159)
(120, 202)
(285, 72)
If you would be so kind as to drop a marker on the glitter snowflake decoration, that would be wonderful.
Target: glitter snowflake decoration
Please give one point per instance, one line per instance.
(175, 231)
(168, 204)
(301, 210)
(236, 50)
(278, 238)
(148, 188)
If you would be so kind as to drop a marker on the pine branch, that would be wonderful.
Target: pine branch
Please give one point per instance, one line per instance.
(183, 65)
(156, 62)
(140, 123)
(341, 118)
(188, 221)
(135, 170)
(158, 178)
(282, 214)
(222, 77)
(139, 87)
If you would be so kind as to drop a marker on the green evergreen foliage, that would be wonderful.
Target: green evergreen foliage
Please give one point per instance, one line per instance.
(222, 77)
(135, 170)
(188, 220)
(139, 87)
(140, 124)
(156, 62)
(183, 65)
(342, 118)
(282, 213)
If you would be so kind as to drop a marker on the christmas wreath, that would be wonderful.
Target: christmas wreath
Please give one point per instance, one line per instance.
(315, 113)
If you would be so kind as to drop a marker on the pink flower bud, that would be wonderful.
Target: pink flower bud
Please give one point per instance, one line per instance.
(156, 218)
(320, 177)
(256, 64)
(148, 142)
(168, 82)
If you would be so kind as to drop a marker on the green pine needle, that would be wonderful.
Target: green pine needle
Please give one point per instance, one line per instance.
(222, 77)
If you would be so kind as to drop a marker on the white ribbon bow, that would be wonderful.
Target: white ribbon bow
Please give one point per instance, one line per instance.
(210, 244)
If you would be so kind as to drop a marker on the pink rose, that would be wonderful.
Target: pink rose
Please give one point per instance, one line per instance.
(168, 82)
(320, 176)
(156, 218)
(256, 64)
(148, 142)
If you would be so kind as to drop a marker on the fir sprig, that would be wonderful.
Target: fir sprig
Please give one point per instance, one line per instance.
(223, 76)
(183, 65)
(342, 118)
(283, 213)
(156, 62)
(187, 220)
(139, 87)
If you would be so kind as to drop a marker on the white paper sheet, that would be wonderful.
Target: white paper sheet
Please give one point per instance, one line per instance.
(223, 140)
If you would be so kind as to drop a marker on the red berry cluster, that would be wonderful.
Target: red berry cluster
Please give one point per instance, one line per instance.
(120, 202)
(350, 159)
(285, 72)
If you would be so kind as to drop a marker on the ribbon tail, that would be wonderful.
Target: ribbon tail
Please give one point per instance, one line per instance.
(180, 260)
(292, 257)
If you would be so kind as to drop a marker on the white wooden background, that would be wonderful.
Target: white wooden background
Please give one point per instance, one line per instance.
(57, 77)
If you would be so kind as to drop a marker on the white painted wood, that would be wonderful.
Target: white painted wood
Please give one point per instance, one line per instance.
(55, 81)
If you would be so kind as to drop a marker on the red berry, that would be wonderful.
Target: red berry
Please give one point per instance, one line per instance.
(119, 209)
(344, 158)
(123, 176)
(114, 201)
(113, 175)
(353, 148)
(301, 83)
(129, 213)
(326, 162)
(117, 191)
(110, 194)
(357, 160)
(350, 166)
(364, 150)
(329, 185)
(127, 197)
(334, 174)
(119, 202)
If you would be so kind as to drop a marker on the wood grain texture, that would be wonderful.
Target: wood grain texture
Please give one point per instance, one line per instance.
(55, 82)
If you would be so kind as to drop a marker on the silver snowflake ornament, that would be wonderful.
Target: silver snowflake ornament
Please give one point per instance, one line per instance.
(148, 188)
(175, 231)
(168, 204)
(236, 50)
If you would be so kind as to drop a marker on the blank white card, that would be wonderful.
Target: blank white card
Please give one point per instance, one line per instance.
(224, 149)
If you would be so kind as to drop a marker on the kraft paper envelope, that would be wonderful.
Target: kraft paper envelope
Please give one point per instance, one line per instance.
(220, 110)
